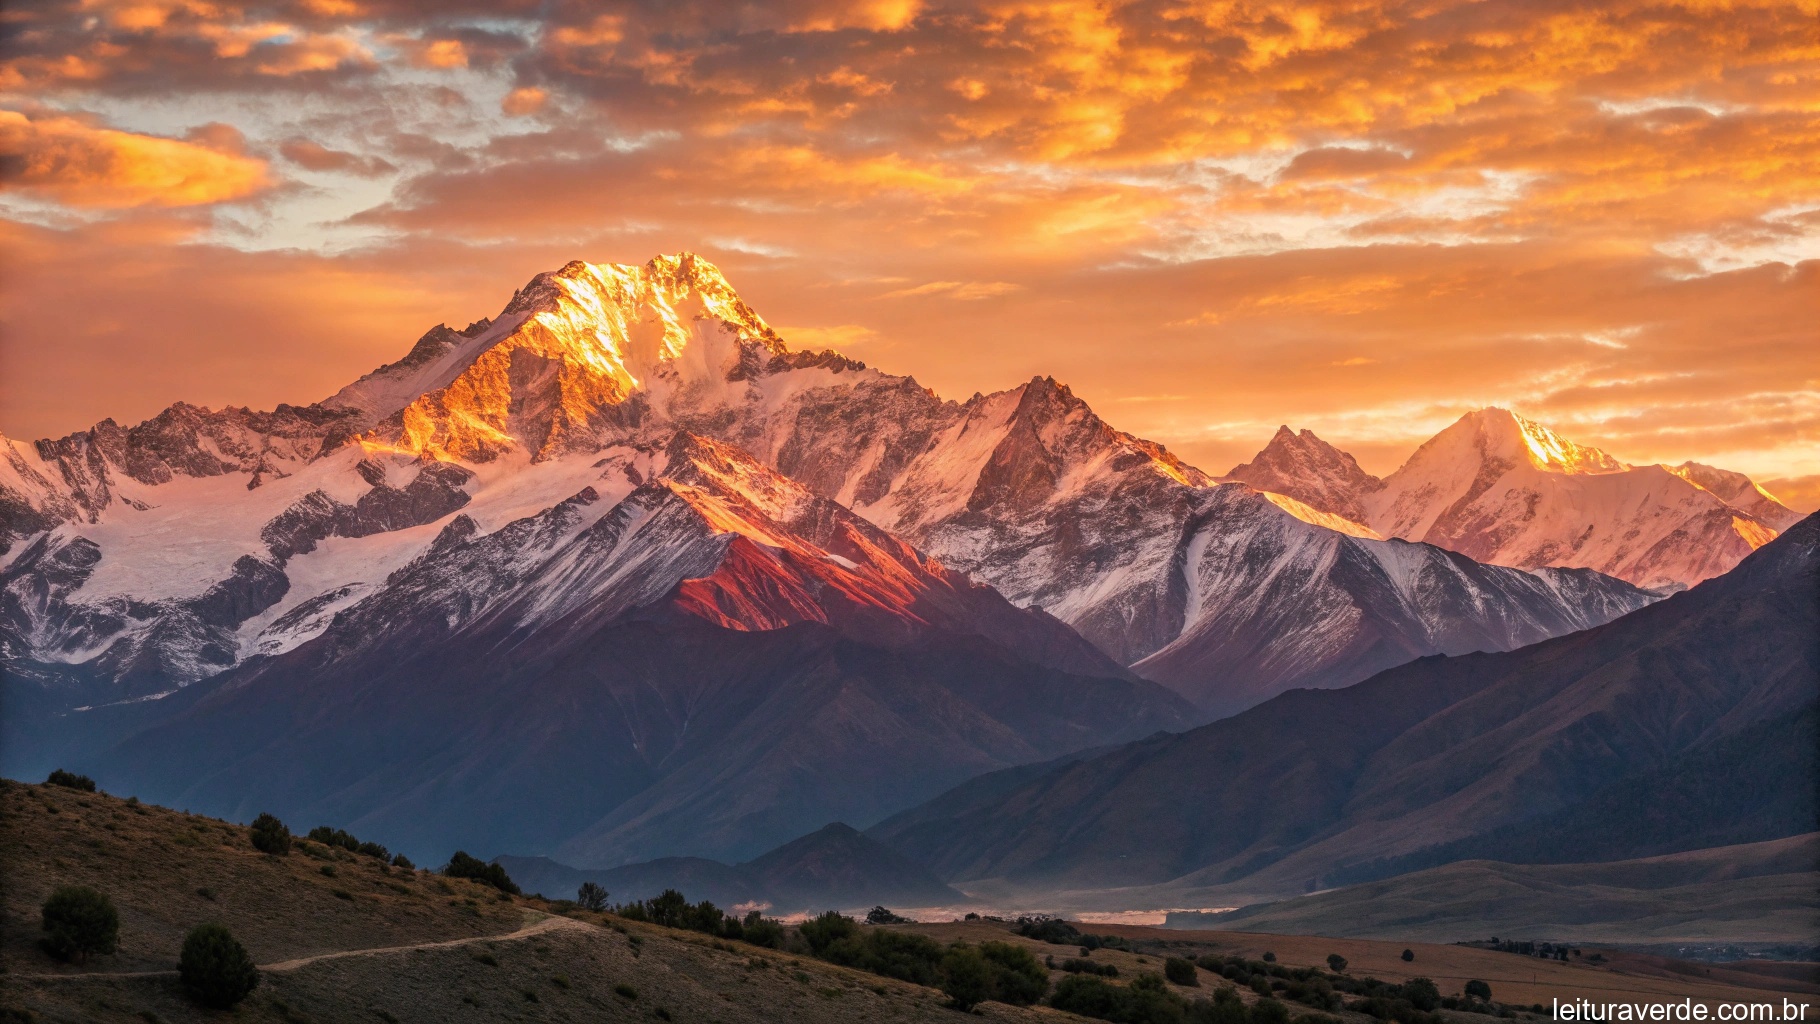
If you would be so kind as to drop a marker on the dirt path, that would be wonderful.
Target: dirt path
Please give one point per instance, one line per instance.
(542, 926)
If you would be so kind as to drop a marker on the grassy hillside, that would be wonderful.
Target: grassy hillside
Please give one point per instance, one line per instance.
(1757, 892)
(375, 943)
(329, 947)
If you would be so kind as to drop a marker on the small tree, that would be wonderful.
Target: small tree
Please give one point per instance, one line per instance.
(70, 780)
(966, 977)
(1336, 963)
(1409, 955)
(1269, 957)
(215, 967)
(879, 915)
(399, 860)
(591, 896)
(79, 922)
(270, 835)
(1479, 989)
(1180, 971)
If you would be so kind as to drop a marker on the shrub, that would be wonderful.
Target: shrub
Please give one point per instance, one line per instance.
(399, 860)
(1018, 979)
(334, 837)
(215, 967)
(270, 835)
(70, 780)
(1336, 963)
(1479, 989)
(1269, 957)
(966, 977)
(591, 896)
(1269, 1011)
(373, 850)
(1180, 971)
(464, 865)
(1074, 965)
(763, 931)
(625, 991)
(890, 954)
(1422, 994)
(824, 931)
(1409, 956)
(1145, 1001)
(79, 922)
(1052, 930)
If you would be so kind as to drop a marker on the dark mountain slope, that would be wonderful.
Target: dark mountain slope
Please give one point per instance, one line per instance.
(836, 867)
(712, 664)
(736, 740)
(1312, 783)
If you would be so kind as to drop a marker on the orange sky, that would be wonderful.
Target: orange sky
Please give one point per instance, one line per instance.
(1358, 216)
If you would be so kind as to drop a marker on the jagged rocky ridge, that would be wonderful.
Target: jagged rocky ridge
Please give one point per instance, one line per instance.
(1502, 489)
(1026, 489)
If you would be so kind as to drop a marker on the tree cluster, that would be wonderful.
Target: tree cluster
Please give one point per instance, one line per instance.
(465, 865)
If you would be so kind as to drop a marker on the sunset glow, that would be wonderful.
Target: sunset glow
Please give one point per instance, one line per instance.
(1207, 218)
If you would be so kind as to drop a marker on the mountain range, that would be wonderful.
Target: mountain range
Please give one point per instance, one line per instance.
(617, 574)
(1685, 725)
(1502, 489)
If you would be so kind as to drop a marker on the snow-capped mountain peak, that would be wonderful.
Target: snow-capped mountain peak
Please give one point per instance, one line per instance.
(1313, 472)
(1503, 434)
(1738, 491)
(551, 371)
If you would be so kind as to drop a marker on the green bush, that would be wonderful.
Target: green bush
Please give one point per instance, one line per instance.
(1145, 1001)
(763, 931)
(1052, 930)
(399, 860)
(1409, 955)
(270, 835)
(334, 837)
(1018, 979)
(1336, 963)
(881, 951)
(1479, 989)
(966, 977)
(1180, 971)
(215, 967)
(1269, 1011)
(824, 931)
(1422, 994)
(70, 780)
(464, 865)
(79, 922)
(1075, 965)
(373, 850)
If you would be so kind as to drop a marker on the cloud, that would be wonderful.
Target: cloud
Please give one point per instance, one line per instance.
(966, 291)
(74, 162)
(524, 100)
(839, 337)
(1363, 216)
(313, 156)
